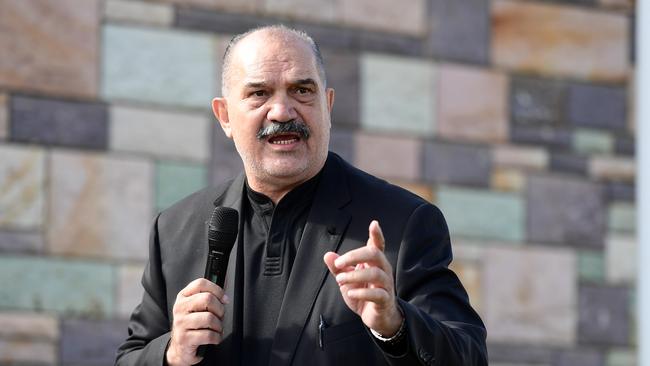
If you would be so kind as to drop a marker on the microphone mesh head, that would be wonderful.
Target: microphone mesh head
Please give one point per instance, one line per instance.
(224, 219)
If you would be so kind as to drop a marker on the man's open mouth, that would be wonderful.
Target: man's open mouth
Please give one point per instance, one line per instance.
(284, 139)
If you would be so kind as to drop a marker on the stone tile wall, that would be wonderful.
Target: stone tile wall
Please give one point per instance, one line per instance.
(514, 117)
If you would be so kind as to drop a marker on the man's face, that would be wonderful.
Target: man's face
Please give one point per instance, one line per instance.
(274, 80)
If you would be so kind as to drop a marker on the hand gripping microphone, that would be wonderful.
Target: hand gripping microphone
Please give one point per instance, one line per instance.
(222, 232)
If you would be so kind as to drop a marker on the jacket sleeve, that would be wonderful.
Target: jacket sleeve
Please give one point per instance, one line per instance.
(442, 327)
(149, 327)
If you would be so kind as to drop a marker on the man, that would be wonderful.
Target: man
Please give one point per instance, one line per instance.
(389, 297)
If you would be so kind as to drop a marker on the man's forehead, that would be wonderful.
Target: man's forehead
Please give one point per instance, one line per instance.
(272, 52)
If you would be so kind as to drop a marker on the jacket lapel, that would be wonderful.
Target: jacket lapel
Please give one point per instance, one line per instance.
(230, 347)
(326, 224)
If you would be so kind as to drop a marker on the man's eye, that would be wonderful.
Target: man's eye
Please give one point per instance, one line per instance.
(259, 93)
(303, 91)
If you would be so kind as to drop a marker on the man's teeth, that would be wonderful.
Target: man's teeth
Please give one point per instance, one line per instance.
(284, 142)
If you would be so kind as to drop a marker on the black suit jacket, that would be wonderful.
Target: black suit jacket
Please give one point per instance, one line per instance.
(442, 327)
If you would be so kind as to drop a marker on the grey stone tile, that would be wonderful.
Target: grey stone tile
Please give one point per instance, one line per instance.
(569, 163)
(597, 106)
(342, 143)
(460, 30)
(21, 242)
(620, 191)
(604, 317)
(55, 122)
(579, 357)
(565, 211)
(343, 74)
(218, 22)
(541, 135)
(625, 145)
(457, 164)
(91, 342)
(535, 100)
(225, 163)
(509, 353)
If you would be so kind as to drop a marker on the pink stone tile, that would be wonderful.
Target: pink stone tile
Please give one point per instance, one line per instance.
(386, 15)
(557, 40)
(50, 46)
(248, 6)
(387, 156)
(473, 104)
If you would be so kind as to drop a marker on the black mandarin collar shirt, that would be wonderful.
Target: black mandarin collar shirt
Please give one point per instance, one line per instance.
(271, 237)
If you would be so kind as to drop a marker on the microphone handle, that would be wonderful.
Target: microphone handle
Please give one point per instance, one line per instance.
(215, 271)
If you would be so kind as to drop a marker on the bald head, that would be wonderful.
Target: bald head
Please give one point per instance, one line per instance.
(280, 33)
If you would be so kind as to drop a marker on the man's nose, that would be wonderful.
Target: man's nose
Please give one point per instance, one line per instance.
(281, 110)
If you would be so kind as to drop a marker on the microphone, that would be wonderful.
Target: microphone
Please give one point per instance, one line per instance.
(222, 232)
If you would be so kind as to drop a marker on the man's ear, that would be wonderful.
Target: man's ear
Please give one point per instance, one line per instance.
(220, 110)
(330, 99)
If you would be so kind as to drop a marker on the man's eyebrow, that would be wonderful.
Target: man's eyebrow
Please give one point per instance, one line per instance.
(307, 81)
(254, 84)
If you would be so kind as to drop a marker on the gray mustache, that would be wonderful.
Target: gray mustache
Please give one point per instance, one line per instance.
(291, 126)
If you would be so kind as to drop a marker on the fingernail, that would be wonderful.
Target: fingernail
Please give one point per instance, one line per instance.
(226, 299)
(340, 277)
(338, 262)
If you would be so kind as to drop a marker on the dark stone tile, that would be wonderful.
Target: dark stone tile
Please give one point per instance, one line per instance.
(541, 135)
(225, 162)
(459, 30)
(620, 191)
(569, 163)
(604, 315)
(389, 43)
(507, 353)
(597, 106)
(91, 342)
(21, 242)
(199, 19)
(578, 357)
(625, 145)
(343, 74)
(576, 2)
(537, 101)
(457, 164)
(330, 36)
(565, 211)
(342, 143)
(55, 122)
(632, 39)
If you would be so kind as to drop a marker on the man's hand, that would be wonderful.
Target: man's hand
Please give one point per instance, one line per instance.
(198, 313)
(366, 281)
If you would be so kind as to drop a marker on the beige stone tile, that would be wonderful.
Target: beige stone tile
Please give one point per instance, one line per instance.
(99, 205)
(129, 288)
(621, 258)
(386, 15)
(559, 40)
(21, 325)
(387, 156)
(517, 305)
(422, 190)
(50, 46)
(138, 12)
(469, 274)
(612, 168)
(22, 352)
(4, 116)
(520, 157)
(22, 177)
(160, 133)
(627, 5)
(508, 180)
(473, 104)
(319, 10)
